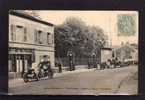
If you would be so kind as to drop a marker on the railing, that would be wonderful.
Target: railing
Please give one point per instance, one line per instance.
(77, 61)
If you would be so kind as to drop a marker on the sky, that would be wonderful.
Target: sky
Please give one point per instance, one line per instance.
(105, 19)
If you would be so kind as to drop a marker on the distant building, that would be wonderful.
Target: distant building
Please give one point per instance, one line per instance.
(29, 40)
(126, 51)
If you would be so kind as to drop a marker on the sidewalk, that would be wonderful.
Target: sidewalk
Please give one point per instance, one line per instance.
(75, 71)
(19, 81)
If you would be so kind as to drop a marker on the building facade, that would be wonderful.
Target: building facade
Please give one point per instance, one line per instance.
(29, 40)
(106, 53)
(126, 51)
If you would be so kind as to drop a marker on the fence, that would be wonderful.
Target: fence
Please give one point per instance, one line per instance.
(77, 61)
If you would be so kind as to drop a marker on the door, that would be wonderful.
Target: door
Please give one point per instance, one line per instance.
(29, 60)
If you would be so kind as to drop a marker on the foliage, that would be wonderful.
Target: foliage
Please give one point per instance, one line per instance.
(76, 35)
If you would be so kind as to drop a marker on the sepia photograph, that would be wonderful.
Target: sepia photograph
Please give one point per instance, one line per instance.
(73, 52)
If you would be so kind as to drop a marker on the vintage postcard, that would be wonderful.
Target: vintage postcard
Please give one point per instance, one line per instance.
(73, 52)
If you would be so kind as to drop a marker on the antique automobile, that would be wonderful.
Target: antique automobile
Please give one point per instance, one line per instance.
(45, 72)
(128, 62)
(30, 75)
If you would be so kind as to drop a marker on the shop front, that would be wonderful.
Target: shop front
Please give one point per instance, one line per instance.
(20, 60)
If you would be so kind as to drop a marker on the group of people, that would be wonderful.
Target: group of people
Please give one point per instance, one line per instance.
(108, 64)
(111, 63)
(45, 64)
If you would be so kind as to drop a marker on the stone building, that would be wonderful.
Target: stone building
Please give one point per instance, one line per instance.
(29, 40)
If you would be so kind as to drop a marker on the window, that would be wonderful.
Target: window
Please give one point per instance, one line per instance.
(19, 29)
(20, 33)
(38, 36)
(50, 39)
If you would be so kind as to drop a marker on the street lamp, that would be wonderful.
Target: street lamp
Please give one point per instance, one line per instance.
(94, 62)
(71, 63)
(89, 61)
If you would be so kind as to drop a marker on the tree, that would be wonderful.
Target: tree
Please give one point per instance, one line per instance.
(76, 35)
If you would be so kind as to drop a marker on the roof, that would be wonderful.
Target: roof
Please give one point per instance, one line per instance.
(26, 16)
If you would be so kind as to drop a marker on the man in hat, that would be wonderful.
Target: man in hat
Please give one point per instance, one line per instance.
(45, 64)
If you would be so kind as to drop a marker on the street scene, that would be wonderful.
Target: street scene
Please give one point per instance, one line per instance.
(73, 52)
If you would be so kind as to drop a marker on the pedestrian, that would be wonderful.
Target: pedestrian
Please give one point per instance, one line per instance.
(71, 65)
(89, 62)
(89, 65)
(59, 68)
(108, 63)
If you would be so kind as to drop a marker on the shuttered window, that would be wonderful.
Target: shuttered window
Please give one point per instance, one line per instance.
(38, 36)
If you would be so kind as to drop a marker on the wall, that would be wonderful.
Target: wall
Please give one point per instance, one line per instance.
(31, 25)
(105, 55)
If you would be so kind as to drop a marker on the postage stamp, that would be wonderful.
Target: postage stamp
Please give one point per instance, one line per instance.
(126, 24)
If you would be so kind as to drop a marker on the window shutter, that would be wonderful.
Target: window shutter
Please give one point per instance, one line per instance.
(25, 34)
(25, 30)
(35, 35)
(14, 32)
(11, 27)
(52, 38)
(39, 37)
(11, 32)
